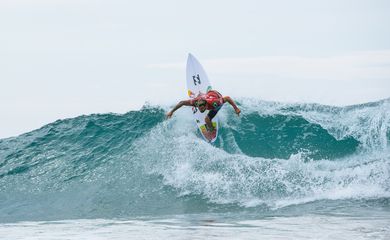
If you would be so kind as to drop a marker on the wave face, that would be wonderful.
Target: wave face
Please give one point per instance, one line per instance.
(274, 155)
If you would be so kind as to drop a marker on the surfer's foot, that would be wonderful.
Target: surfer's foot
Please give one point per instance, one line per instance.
(209, 129)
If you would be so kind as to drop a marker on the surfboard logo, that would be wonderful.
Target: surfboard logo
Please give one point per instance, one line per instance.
(196, 79)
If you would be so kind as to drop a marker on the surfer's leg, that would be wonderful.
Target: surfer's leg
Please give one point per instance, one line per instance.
(213, 112)
(210, 117)
(209, 124)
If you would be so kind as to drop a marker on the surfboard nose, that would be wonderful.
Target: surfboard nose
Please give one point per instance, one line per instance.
(190, 58)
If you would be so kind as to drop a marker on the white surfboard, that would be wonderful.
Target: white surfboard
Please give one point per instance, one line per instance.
(198, 83)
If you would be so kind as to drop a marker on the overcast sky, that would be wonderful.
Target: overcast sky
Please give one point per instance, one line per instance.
(64, 58)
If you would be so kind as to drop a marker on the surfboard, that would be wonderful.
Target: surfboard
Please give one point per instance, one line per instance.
(198, 83)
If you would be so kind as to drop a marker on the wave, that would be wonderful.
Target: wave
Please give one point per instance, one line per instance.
(274, 155)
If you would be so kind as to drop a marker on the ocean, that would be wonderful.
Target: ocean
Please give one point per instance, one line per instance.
(279, 171)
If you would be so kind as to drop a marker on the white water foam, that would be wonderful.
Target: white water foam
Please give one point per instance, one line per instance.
(193, 166)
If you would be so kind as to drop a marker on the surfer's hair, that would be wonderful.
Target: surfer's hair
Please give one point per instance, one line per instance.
(200, 102)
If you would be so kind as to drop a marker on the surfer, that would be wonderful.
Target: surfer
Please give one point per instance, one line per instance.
(212, 101)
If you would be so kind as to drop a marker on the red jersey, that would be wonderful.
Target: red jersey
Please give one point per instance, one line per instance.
(214, 99)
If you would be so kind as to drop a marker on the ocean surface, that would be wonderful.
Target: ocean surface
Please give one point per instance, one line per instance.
(279, 171)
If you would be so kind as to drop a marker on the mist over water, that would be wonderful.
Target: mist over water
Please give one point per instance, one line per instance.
(275, 159)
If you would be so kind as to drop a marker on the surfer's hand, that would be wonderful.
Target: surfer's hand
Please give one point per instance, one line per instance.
(238, 111)
(169, 114)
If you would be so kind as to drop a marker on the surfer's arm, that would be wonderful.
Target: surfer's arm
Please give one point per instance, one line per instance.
(231, 102)
(179, 105)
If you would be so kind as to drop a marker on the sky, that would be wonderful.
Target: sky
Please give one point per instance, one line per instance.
(65, 58)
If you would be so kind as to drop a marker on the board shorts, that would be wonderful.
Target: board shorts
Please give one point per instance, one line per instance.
(213, 112)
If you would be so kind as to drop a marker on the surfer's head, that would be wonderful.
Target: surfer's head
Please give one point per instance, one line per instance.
(201, 105)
